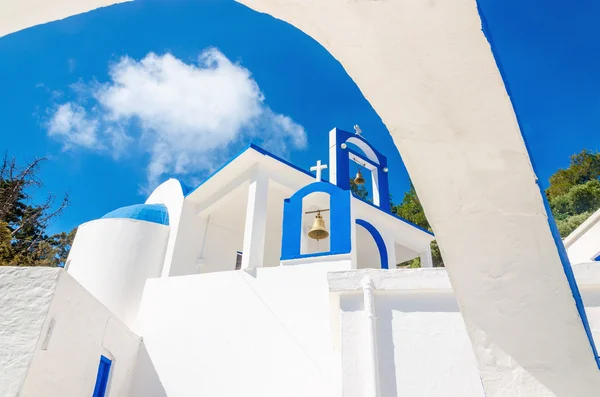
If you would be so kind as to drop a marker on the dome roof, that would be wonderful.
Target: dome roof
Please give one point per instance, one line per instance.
(156, 213)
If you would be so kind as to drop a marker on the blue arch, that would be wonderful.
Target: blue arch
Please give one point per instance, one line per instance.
(339, 221)
(342, 166)
(155, 213)
(383, 255)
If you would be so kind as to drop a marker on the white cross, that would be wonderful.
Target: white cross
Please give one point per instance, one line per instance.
(318, 168)
(357, 129)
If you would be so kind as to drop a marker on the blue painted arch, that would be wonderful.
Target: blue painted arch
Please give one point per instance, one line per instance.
(339, 203)
(155, 213)
(342, 164)
(383, 255)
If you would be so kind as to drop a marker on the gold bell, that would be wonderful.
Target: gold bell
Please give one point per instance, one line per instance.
(359, 180)
(318, 231)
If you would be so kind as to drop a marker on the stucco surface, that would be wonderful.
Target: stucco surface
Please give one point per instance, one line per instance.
(66, 364)
(230, 334)
(25, 298)
(112, 258)
(21, 14)
(427, 69)
(583, 244)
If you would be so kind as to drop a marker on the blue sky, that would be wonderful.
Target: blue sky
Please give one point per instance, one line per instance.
(68, 93)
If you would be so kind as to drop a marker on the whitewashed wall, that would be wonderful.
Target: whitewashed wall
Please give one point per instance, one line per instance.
(428, 70)
(367, 250)
(231, 334)
(144, 379)
(112, 258)
(583, 244)
(65, 363)
(222, 245)
(25, 298)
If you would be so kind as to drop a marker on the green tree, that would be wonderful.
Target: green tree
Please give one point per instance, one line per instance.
(359, 191)
(411, 209)
(23, 224)
(583, 167)
(574, 192)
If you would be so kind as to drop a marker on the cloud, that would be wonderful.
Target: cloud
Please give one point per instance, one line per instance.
(187, 117)
(71, 124)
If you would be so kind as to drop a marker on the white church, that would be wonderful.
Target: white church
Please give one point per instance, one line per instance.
(265, 280)
(268, 281)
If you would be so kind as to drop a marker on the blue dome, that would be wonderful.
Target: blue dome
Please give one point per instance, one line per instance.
(156, 213)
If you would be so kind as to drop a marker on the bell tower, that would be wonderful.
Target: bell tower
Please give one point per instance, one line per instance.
(345, 147)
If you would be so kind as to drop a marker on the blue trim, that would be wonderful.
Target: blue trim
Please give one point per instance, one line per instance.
(597, 259)
(562, 252)
(340, 242)
(342, 166)
(395, 216)
(102, 377)
(155, 213)
(383, 255)
(259, 150)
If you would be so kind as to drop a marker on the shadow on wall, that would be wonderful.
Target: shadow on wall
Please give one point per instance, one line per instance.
(145, 381)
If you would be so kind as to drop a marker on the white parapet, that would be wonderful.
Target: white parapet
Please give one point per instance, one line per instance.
(53, 333)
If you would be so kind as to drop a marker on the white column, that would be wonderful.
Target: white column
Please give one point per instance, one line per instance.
(332, 157)
(390, 246)
(256, 223)
(426, 260)
(372, 370)
(375, 187)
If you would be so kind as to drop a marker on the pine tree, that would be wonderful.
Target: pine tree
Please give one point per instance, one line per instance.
(23, 225)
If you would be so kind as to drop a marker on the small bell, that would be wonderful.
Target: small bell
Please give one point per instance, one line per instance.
(318, 231)
(359, 180)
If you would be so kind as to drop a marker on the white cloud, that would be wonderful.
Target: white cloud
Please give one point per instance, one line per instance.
(71, 124)
(188, 117)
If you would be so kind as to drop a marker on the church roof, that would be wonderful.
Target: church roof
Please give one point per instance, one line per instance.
(155, 213)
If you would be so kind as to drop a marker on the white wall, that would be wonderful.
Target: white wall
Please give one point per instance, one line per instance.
(428, 70)
(112, 258)
(422, 343)
(25, 298)
(231, 334)
(585, 248)
(222, 245)
(144, 379)
(367, 250)
(65, 362)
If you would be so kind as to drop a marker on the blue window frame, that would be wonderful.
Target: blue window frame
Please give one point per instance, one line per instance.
(102, 378)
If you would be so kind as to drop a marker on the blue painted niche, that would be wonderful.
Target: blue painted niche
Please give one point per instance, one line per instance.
(102, 377)
(339, 202)
(383, 255)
